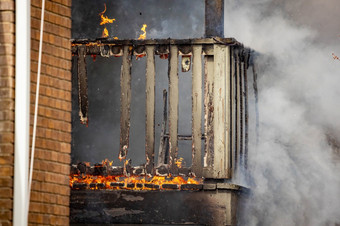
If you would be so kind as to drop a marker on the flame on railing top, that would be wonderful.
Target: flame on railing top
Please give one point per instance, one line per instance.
(105, 20)
(143, 36)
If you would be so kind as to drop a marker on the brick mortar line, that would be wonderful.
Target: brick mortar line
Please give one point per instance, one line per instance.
(38, 7)
(58, 3)
(50, 161)
(68, 39)
(47, 32)
(53, 14)
(54, 98)
(53, 46)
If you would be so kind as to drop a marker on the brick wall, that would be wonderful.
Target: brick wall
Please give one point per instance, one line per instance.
(50, 189)
(7, 82)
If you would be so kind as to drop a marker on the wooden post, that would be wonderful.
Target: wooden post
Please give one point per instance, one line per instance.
(150, 109)
(208, 114)
(197, 111)
(233, 111)
(173, 107)
(221, 117)
(82, 85)
(125, 101)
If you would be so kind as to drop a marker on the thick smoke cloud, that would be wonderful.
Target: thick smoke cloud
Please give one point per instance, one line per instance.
(294, 170)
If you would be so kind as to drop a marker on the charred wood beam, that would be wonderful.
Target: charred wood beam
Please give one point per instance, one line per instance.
(197, 111)
(241, 86)
(214, 18)
(150, 109)
(186, 137)
(173, 108)
(246, 113)
(163, 153)
(82, 86)
(125, 101)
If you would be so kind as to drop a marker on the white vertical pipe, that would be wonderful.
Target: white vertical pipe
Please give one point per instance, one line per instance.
(22, 110)
(36, 104)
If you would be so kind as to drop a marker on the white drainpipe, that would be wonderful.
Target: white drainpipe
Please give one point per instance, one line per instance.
(22, 110)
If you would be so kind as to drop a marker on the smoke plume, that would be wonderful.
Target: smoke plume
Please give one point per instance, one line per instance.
(294, 169)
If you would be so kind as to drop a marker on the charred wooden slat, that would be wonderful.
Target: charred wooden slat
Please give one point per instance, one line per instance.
(241, 112)
(117, 184)
(130, 185)
(197, 111)
(184, 171)
(170, 186)
(82, 167)
(150, 110)
(139, 170)
(246, 113)
(173, 107)
(162, 49)
(79, 186)
(162, 170)
(99, 170)
(162, 152)
(97, 185)
(140, 49)
(191, 186)
(82, 86)
(139, 185)
(116, 171)
(208, 111)
(125, 101)
(185, 49)
(74, 169)
(152, 186)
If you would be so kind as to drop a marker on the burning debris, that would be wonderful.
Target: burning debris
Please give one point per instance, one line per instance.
(143, 36)
(106, 176)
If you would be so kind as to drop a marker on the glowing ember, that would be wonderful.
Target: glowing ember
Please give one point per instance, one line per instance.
(179, 162)
(143, 36)
(105, 33)
(335, 57)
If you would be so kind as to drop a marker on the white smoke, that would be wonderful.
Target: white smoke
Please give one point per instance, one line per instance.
(294, 171)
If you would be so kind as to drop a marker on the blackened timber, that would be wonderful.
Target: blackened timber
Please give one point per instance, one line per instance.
(214, 18)
(125, 101)
(82, 86)
(208, 111)
(241, 81)
(246, 113)
(150, 109)
(173, 107)
(162, 153)
(197, 111)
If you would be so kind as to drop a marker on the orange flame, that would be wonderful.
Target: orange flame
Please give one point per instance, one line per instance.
(132, 182)
(143, 36)
(105, 33)
(335, 57)
(179, 162)
(105, 19)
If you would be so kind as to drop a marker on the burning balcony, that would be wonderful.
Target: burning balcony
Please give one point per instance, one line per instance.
(219, 92)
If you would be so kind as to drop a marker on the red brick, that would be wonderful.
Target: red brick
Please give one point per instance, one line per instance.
(7, 115)
(6, 149)
(6, 181)
(6, 71)
(6, 16)
(6, 203)
(6, 192)
(6, 160)
(7, 5)
(6, 137)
